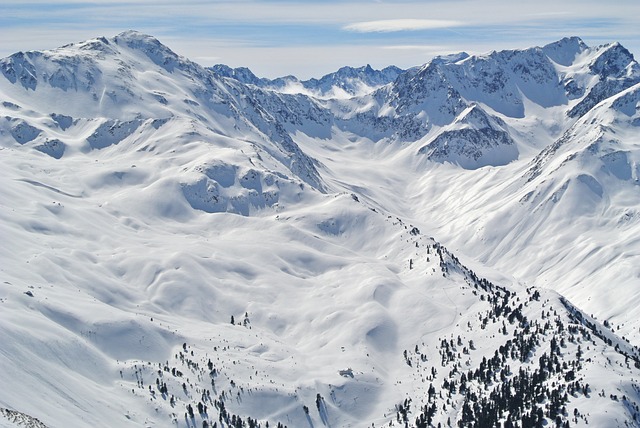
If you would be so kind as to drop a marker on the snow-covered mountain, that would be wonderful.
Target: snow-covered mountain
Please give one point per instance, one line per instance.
(473, 140)
(454, 244)
(347, 82)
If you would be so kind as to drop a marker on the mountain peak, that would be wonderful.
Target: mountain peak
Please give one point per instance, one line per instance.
(241, 74)
(475, 139)
(131, 36)
(564, 51)
(450, 58)
(150, 46)
(616, 49)
(474, 116)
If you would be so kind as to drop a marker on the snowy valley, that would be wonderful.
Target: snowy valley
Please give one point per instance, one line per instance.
(456, 244)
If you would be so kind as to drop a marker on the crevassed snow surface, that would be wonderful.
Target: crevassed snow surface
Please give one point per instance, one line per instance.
(174, 237)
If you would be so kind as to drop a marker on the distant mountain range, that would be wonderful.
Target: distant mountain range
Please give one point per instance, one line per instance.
(455, 244)
(344, 83)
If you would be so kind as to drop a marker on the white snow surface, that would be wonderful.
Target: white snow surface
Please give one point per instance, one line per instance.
(145, 202)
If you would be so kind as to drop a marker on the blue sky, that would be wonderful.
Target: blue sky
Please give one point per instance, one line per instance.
(311, 38)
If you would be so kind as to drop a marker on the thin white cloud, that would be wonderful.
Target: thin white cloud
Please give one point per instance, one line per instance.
(393, 25)
(429, 48)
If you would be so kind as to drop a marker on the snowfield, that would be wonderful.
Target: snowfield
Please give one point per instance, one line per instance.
(455, 244)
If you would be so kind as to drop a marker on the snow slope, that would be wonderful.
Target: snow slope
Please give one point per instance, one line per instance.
(173, 237)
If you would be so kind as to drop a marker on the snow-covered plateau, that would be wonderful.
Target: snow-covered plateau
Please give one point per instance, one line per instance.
(457, 244)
